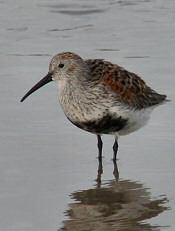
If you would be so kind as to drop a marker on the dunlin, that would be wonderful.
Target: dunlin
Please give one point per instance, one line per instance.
(100, 97)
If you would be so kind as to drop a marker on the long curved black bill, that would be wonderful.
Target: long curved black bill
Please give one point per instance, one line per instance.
(42, 82)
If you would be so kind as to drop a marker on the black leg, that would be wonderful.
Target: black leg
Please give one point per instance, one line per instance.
(100, 172)
(115, 172)
(115, 149)
(100, 146)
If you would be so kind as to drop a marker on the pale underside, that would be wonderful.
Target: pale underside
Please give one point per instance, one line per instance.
(84, 114)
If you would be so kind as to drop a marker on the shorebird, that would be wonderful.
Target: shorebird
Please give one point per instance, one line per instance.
(100, 97)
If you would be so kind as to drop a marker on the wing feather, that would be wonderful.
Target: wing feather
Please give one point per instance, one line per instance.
(129, 87)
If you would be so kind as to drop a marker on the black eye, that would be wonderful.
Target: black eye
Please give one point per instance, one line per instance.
(61, 65)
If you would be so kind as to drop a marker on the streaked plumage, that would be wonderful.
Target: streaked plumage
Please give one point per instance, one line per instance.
(100, 97)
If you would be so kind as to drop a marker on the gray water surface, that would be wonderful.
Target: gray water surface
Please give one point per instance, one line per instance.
(50, 178)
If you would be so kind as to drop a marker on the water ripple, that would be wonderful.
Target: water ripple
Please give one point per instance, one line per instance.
(72, 28)
(78, 12)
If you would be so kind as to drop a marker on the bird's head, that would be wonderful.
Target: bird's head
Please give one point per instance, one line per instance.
(64, 67)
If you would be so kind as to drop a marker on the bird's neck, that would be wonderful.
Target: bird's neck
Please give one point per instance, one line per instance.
(71, 91)
(71, 97)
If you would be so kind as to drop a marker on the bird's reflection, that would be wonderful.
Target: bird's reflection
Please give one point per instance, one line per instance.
(123, 205)
(100, 171)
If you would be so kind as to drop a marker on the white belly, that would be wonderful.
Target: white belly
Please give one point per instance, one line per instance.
(136, 119)
(79, 110)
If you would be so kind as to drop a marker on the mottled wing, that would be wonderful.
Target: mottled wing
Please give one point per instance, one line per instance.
(129, 87)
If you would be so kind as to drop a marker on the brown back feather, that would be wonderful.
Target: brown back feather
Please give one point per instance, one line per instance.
(128, 86)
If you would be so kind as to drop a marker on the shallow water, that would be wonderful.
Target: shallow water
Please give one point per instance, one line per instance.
(50, 178)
